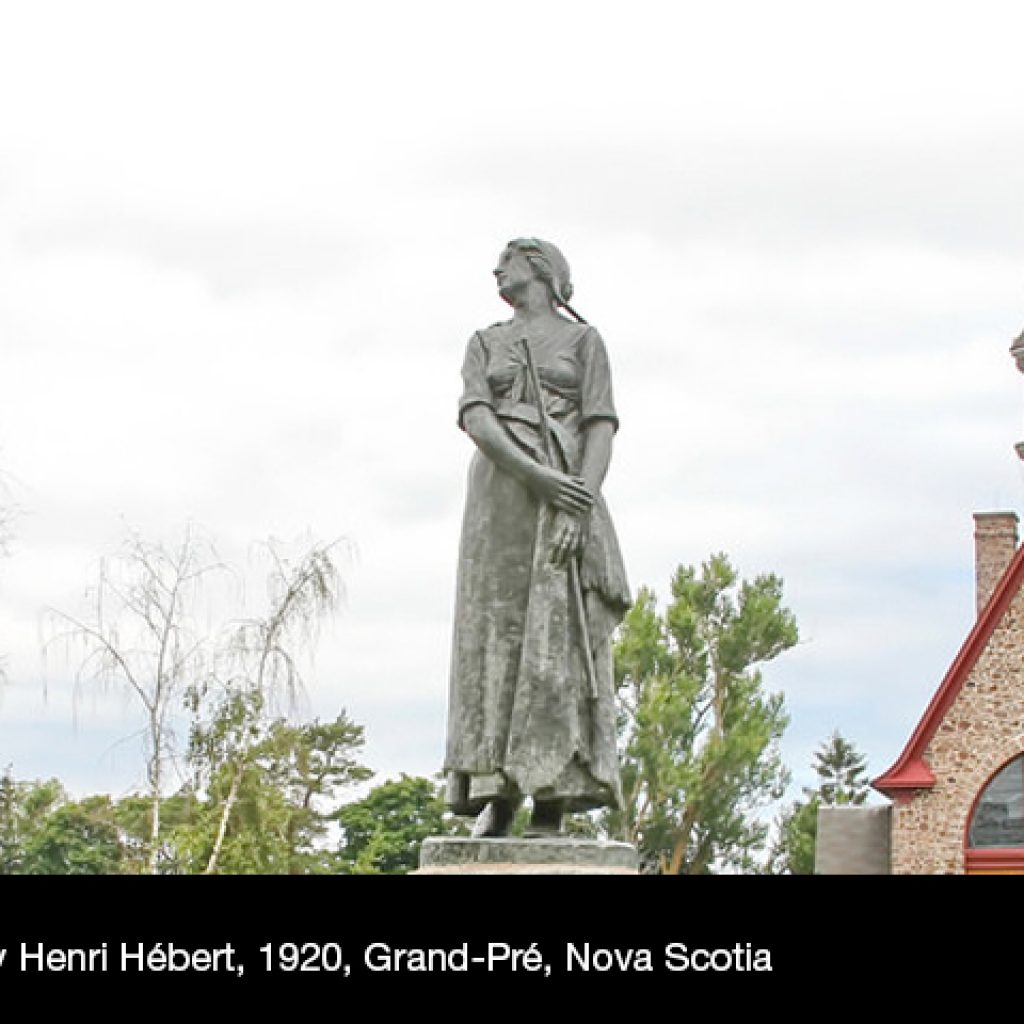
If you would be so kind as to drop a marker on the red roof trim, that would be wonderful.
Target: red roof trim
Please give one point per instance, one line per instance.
(911, 771)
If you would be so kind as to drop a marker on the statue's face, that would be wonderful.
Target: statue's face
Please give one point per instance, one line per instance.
(513, 273)
(1017, 351)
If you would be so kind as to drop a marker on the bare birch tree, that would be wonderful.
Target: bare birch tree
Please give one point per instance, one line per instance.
(8, 512)
(257, 673)
(143, 635)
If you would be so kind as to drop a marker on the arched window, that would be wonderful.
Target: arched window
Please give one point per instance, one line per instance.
(995, 837)
(998, 818)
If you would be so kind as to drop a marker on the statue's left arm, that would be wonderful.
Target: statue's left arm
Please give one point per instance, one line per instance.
(597, 452)
(599, 423)
(571, 529)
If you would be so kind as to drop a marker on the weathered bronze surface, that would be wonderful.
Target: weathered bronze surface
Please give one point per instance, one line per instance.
(541, 584)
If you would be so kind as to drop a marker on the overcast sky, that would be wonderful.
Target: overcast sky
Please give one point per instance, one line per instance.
(243, 245)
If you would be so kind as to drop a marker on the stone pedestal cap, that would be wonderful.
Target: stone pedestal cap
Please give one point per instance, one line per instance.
(556, 856)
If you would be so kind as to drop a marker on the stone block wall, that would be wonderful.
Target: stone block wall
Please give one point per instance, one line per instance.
(853, 841)
(982, 730)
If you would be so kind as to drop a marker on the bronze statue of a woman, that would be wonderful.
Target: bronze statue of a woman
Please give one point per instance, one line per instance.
(541, 585)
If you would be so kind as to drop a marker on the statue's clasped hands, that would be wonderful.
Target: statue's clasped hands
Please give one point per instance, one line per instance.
(572, 501)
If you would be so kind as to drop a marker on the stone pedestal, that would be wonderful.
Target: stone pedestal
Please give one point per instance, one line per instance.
(442, 855)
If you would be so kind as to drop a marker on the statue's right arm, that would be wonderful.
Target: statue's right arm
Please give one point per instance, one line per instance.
(483, 426)
(561, 490)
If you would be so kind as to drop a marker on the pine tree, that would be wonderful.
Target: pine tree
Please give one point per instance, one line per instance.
(842, 781)
(841, 773)
(699, 732)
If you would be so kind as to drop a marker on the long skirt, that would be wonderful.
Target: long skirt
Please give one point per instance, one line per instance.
(526, 716)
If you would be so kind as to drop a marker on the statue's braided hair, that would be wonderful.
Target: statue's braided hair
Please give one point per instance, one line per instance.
(551, 267)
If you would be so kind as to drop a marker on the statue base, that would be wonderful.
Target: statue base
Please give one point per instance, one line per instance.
(444, 855)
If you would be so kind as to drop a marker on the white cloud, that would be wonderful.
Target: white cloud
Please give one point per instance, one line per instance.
(243, 247)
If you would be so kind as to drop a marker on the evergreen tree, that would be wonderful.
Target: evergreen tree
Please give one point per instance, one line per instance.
(842, 781)
(699, 732)
(842, 773)
(284, 793)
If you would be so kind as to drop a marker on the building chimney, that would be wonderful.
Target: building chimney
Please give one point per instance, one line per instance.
(995, 543)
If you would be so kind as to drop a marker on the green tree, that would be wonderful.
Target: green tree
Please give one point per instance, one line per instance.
(310, 764)
(794, 850)
(10, 831)
(77, 838)
(383, 832)
(842, 773)
(842, 781)
(284, 794)
(700, 735)
(24, 807)
(133, 815)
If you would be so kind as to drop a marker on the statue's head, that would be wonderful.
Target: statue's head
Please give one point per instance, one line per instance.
(1017, 351)
(549, 265)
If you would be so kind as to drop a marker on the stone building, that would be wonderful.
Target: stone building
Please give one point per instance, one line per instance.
(957, 789)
